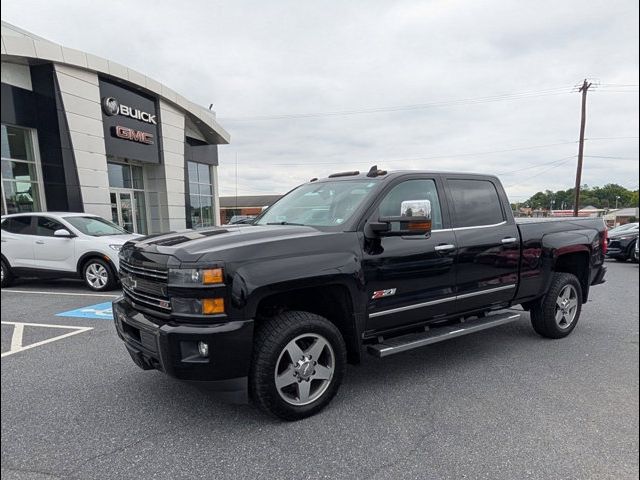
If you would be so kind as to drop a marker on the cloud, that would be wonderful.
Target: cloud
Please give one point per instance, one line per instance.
(263, 58)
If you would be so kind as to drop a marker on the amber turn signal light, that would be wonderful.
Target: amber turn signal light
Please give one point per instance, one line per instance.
(211, 276)
(212, 306)
(421, 226)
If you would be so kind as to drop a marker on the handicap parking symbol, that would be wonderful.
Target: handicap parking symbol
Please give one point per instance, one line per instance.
(101, 311)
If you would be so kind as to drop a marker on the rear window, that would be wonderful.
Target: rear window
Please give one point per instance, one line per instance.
(475, 203)
(21, 225)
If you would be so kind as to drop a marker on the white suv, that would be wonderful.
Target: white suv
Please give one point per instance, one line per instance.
(59, 244)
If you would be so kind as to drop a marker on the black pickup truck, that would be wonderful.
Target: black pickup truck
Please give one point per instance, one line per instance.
(381, 262)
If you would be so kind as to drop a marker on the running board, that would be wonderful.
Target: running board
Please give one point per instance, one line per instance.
(438, 334)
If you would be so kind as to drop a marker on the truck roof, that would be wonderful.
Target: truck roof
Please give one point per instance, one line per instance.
(350, 175)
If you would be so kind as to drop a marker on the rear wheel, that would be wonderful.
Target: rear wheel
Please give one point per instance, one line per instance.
(557, 313)
(7, 276)
(298, 364)
(98, 275)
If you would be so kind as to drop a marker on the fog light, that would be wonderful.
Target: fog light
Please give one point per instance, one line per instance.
(203, 349)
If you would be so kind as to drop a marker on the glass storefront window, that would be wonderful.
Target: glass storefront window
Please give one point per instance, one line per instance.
(16, 143)
(119, 175)
(21, 190)
(200, 195)
(136, 177)
(128, 201)
(141, 211)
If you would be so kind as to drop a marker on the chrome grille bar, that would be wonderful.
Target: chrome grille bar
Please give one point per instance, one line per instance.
(144, 271)
(156, 302)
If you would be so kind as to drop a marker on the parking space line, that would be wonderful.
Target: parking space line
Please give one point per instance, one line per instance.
(16, 338)
(61, 293)
(18, 331)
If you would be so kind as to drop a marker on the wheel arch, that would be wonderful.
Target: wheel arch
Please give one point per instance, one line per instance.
(93, 254)
(575, 262)
(333, 301)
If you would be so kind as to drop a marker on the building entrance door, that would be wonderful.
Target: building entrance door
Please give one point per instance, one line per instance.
(128, 210)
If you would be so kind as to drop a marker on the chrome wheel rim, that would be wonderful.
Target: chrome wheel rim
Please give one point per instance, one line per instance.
(304, 369)
(96, 275)
(2, 272)
(566, 306)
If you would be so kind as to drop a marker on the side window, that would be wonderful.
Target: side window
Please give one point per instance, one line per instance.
(475, 203)
(45, 226)
(20, 225)
(412, 190)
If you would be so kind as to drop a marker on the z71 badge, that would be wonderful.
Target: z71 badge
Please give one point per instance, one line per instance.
(383, 293)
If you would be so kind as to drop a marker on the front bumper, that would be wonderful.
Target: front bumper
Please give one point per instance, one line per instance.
(172, 348)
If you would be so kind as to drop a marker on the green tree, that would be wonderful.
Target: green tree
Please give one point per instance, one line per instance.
(599, 197)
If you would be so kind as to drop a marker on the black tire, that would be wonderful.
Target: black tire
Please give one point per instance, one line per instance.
(545, 311)
(621, 259)
(94, 265)
(632, 252)
(272, 337)
(7, 276)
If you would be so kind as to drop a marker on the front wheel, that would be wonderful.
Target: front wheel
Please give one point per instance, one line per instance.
(98, 275)
(557, 313)
(298, 364)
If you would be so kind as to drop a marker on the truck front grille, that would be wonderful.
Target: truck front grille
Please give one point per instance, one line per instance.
(145, 286)
(152, 273)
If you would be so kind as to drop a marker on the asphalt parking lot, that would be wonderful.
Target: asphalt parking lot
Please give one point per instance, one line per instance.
(503, 403)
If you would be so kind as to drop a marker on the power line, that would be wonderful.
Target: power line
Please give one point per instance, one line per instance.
(542, 172)
(563, 159)
(612, 157)
(464, 101)
(610, 138)
(441, 156)
(431, 157)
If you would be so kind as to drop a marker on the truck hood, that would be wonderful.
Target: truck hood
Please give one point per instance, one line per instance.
(191, 245)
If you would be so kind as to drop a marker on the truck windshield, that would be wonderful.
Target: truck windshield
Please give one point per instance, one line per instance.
(323, 204)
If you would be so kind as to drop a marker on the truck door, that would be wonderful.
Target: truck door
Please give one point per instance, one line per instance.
(487, 241)
(53, 253)
(409, 279)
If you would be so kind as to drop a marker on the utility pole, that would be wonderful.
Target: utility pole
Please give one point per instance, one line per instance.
(585, 86)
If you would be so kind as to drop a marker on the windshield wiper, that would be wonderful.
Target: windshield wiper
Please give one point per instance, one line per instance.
(286, 223)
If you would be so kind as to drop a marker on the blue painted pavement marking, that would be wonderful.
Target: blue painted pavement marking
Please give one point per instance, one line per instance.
(100, 311)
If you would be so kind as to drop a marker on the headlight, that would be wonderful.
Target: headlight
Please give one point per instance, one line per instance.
(197, 306)
(196, 276)
(115, 247)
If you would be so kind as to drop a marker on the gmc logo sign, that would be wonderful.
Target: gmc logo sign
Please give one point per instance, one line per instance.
(138, 136)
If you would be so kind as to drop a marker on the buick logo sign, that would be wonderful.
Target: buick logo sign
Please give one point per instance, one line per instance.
(110, 106)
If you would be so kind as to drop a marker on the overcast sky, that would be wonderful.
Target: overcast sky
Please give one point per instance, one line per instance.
(310, 88)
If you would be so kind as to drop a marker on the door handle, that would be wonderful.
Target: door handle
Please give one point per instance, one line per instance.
(508, 240)
(444, 248)
(39, 242)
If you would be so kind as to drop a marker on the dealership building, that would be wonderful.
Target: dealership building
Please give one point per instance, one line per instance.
(81, 133)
